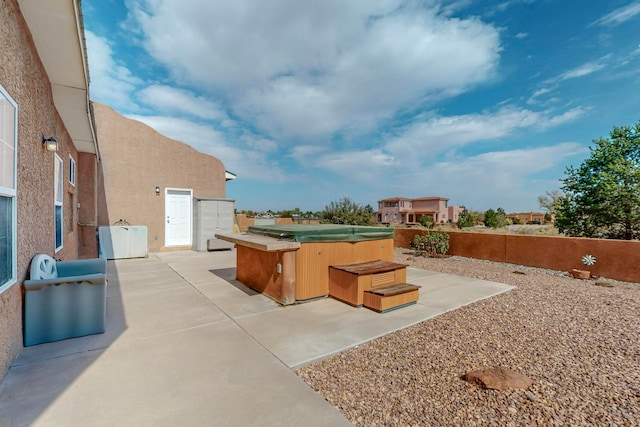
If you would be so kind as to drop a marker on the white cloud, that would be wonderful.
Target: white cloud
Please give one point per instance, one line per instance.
(620, 15)
(567, 116)
(490, 180)
(306, 69)
(111, 82)
(582, 70)
(247, 155)
(171, 99)
(553, 84)
(302, 153)
(538, 93)
(438, 134)
(245, 163)
(258, 143)
(364, 166)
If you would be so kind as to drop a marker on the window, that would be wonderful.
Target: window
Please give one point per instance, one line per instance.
(58, 183)
(8, 160)
(72, 171)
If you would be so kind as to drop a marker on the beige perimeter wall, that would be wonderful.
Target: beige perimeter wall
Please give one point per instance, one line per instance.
(23, 76)
(136, 159)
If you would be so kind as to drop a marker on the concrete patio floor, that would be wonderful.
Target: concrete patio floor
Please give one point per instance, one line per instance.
(186, 344)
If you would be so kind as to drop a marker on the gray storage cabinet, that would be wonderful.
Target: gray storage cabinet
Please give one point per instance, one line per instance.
(123, 241)
(210, 217)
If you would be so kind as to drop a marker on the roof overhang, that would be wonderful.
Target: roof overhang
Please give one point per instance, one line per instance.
(58, 33)
(228, 176)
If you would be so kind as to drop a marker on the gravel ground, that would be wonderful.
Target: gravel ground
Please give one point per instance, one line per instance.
(578, 342)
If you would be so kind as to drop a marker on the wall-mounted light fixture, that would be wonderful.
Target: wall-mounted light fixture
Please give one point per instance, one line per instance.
(157, 190)
(50, 143)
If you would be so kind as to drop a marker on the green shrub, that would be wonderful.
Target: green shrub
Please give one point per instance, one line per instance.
(433, 244)
(466, 218)
(427, 221)
(346, 211)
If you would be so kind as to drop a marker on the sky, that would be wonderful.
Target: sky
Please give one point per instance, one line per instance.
(308, 101)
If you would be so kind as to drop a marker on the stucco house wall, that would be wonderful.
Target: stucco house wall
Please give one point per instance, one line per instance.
(401, 210)
(454, 213)
(528, 217)
(23, 77)
(436, 204)
(136, 160)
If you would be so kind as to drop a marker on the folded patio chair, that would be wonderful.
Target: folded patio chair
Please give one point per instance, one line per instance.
(64, 299)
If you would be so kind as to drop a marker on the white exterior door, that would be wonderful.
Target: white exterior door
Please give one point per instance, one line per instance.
(177, 210)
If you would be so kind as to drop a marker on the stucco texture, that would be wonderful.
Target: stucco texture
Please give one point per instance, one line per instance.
(23, 76)
(136, 159)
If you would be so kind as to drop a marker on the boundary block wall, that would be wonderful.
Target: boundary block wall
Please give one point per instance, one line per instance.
(615, 259)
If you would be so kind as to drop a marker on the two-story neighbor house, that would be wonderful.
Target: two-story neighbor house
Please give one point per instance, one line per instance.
(401, 210)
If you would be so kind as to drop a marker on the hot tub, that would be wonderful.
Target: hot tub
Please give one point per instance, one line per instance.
(290, 263)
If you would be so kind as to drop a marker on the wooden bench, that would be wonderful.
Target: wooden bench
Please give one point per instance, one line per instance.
(349, 282)
(391, 297)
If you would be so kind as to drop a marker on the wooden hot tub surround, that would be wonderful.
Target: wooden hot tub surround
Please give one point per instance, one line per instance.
(291, 271)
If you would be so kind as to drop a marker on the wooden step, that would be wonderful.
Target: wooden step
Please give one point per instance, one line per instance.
(391, 297)
(348, 282)
(370, 267)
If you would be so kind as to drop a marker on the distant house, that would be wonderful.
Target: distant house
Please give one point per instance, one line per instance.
(401, 210)
(527, 217)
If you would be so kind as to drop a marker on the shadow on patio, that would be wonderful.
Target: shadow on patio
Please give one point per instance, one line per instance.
(170, 356)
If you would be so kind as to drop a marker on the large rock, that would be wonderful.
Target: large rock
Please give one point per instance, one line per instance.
(498, 379)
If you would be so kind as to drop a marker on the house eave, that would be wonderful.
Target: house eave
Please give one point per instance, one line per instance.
(57, 30)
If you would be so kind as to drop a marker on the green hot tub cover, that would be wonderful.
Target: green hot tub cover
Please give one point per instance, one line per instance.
(322, 232)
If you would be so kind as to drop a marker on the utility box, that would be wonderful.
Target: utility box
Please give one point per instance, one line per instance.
(211, 217)
(123, 241)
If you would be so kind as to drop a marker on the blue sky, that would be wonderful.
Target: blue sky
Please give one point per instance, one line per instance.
(483, 102)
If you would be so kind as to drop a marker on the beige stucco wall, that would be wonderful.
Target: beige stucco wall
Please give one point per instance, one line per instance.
(23, 76)
(87, 171)
(136, 159)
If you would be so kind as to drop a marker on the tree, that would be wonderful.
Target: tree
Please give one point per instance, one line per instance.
(549, 201)
(427, 221)
(466, 218)
(346, 211)
(502, 217)
(602, 196)
(495, 219)
(491, 218)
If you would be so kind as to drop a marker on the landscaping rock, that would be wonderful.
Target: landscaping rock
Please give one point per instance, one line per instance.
(498, 379)
(580, 345)
(604, 283)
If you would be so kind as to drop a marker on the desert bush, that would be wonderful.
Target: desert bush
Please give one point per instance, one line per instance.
(346, 211)
(427, 221)
(466, 218)
(540, 231)
(433, 244)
